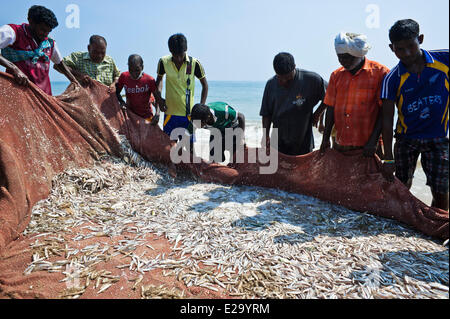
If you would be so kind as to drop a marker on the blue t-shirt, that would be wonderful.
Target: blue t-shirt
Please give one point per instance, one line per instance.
(422, 100)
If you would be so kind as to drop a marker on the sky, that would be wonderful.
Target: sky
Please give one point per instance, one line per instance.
(235, 40)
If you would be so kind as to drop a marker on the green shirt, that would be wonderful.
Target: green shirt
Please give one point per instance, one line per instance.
(105, 72)
(226, 116)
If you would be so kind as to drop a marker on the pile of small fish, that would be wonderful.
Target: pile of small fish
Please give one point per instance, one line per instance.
(247, 242)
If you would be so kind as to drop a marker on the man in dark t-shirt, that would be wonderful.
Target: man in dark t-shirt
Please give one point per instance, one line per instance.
(288, 103)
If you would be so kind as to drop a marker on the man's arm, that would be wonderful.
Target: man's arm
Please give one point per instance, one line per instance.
(204, 90)
(266, 124)
(241, 121)
(329, 123)
(64, 69)
(122, 102)
(387, 110)
(199, 73)
(116, 73)
(115, 78)
(162, 102)
(7, 38)
(83, 78)
(318, 113)
(371, 146)
(19, 76)
(80, 76)
(159, 101)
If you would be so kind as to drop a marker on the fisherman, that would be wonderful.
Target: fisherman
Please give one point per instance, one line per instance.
(27, 50)
(221, 116)
(288, 102)
(352, 97)
(418, 85)
(180, 70)
(93, 64)
(139, 89)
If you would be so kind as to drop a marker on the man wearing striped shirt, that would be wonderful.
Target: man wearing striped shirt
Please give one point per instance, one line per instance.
(94, 64)
(419, 86)
(352, 97)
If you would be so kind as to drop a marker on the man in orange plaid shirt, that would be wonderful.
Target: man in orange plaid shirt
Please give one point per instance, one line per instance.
(353, 97)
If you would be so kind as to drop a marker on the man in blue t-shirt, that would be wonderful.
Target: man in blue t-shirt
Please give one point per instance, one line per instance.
(419, 86)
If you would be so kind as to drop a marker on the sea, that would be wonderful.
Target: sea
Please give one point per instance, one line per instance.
(246, 97)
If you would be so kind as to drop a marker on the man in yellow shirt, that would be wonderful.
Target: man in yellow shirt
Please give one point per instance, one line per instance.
(181, 71)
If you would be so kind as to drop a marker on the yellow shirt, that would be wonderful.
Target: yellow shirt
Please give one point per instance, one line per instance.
(176, 83)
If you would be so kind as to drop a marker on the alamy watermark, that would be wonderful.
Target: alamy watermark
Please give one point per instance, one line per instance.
(73, 19)
(373, 19)
(234, 142)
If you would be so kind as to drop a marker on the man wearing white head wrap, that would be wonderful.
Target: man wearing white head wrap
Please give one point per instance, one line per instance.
(351, 43)
(352, 97)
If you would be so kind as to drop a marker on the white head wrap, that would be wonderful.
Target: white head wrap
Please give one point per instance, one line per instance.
(351, 43)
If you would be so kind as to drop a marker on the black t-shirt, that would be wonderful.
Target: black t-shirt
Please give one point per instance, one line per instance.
(291, 110)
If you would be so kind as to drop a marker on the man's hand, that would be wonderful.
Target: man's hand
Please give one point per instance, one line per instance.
(123, 105)
(388, 170)
(155, 119)
(162, 105)
(316, 118)
(265, 143)
(20, 77)
(75, 81)
(86, 80)
(111, 88)
(324, 146)
(321, 126)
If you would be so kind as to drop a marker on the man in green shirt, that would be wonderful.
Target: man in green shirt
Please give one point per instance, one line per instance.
(94, 64)
(219, 116)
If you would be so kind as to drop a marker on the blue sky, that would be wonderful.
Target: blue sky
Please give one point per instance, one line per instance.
(237, 39)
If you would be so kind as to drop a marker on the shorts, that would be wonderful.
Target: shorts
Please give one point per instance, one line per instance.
(172, 122)
(434, 159)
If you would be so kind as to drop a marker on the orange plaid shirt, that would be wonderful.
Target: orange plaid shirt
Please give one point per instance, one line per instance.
(356, 102)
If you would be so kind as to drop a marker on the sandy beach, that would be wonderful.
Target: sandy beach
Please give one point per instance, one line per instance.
(124, 228)
(182, 238)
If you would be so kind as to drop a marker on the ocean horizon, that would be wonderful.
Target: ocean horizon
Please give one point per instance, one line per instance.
(245, 96)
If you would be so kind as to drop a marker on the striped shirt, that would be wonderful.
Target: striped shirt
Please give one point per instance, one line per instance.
(105, 72)
(422, 99)
(356, 102)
